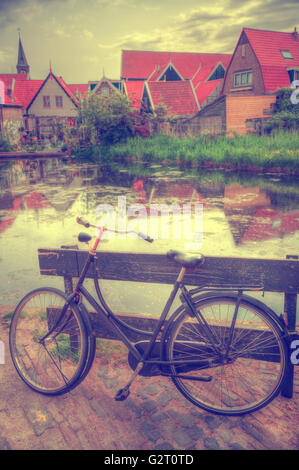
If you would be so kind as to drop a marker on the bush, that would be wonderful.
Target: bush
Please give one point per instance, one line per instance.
(106, 118)
(284, 120)
(286, 115)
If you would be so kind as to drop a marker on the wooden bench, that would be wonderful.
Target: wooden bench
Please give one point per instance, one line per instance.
(273, 275)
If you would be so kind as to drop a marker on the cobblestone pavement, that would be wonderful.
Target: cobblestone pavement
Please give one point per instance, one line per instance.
(154, 417)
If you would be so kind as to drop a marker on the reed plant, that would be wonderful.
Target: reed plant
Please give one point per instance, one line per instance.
(280, 150)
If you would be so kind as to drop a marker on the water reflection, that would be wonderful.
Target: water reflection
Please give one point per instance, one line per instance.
(243, 215)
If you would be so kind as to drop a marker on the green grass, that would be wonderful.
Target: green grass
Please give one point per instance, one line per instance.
(280, 150)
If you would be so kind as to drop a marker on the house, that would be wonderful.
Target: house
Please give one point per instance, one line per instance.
(183, 82)
(10, 103)
(53, 103)
(262, 62)
(38, 105)
(105, 86)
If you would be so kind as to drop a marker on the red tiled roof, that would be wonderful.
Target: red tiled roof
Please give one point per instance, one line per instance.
(204, 90)
(205, 71)
(267, 46)
(9, 80)
(134, 91)
(10, 76)
(24, 91)
(268, 223)
(79, 89)
(66, 88)
(177, 96)
(145, 64)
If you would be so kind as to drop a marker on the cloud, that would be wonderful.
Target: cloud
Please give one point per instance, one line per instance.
(62, 32)
(15, 11)
(87, 34)
(5, 56)
(155, 40)
(113, 3)
(218, 30)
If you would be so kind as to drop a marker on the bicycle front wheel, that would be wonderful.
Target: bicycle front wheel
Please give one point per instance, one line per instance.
(49, 350)
(243, 368)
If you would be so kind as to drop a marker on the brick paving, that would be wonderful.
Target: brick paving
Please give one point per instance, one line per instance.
(154, 417)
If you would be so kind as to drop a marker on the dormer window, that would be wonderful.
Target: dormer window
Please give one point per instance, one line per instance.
(169, 74)
(219, 72)
(293, 74)
(286, 54)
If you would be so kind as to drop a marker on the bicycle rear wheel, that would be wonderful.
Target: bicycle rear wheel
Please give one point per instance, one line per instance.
(48, 363)
(246, 378)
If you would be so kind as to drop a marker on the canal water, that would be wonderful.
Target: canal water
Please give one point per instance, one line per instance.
(216, 213)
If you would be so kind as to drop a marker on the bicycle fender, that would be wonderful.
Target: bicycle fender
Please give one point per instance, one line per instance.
(86, 318)
(257, 303)
(168, 327)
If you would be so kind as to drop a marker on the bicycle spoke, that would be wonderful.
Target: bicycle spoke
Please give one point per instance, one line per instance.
(48, 346)
(246, 367)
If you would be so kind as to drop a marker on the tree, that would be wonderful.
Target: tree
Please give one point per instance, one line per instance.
(105, 119)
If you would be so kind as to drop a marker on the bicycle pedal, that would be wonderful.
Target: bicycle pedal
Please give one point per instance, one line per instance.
(122, 394)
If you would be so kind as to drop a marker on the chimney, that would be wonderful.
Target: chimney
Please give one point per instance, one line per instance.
(295, 34)
(10, 89)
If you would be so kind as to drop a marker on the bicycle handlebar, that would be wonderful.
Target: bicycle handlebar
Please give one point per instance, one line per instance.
(88, 225)
(83, 222)
(145, 237)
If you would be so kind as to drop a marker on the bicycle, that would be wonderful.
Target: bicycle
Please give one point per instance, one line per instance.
(225, 351)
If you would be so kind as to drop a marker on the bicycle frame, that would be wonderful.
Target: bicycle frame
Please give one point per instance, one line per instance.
(108, 316)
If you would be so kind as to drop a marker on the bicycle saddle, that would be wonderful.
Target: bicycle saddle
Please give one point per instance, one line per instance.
(188, 260)
(84, 237)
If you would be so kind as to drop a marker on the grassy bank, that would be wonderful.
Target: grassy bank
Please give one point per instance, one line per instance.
(279, 152)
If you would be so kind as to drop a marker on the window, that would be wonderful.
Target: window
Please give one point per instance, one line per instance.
(286, 54)
(46, 101)
(59, 102)
(293, 75)
(243, 78)
(105, 91)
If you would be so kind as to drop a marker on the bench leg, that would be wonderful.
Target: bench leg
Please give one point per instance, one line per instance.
(290, 307)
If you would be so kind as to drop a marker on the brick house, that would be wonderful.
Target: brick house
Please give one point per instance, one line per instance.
(262, 62)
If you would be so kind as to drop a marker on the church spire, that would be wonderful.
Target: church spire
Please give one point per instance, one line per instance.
(22, 65)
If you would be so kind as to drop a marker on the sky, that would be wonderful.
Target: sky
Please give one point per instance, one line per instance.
(83, 39)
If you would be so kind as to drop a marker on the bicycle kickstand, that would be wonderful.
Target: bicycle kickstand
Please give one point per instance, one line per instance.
(123, 393)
